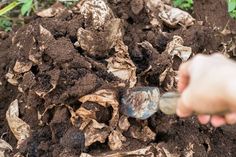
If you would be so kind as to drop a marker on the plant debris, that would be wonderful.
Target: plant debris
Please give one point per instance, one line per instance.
(75, 74)
(54, 10)
(5, 148)
(19, 128)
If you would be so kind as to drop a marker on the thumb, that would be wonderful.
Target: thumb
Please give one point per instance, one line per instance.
(184, 108)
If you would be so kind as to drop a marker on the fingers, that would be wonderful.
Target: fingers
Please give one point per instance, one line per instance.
(230, 118)
(204, 119)
(182, 109)
(218, 121)
(183, 77)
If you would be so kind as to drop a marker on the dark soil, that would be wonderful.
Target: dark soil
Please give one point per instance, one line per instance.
(77, 74)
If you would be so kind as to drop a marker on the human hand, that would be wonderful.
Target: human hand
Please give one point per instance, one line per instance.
(208, 87)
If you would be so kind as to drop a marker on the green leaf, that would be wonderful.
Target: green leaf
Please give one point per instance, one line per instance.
(9, 7)
(26, 7)
(183, 4)
(5, 24)
(231, 5)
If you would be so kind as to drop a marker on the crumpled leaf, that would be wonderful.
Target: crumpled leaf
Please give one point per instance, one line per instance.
(176, 48)
(168, 14)
(136, 6)
(173, 16)
(144, 134)
(46, 36)
(54, 10)
(95, 11)
(95, 131)
(116, 140)
(18, 154)
(4, 148)
(106, 98)
(22, 67)
(54, 77)
(121, 65)
(169, 79)
(19, 128)
(153, 150)
(124, 123)
(11, 78)
(98, 43)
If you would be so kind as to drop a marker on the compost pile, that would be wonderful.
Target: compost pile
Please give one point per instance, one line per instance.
(63, 74)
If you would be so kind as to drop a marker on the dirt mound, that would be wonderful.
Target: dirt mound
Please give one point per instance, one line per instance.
(68, 72)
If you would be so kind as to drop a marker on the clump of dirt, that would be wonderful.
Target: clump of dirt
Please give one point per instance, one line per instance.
(42, 66)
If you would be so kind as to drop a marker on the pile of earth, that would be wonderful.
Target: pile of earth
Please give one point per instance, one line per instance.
(63, 73)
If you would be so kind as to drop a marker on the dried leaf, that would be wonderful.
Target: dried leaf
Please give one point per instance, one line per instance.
(94, 132)
(175, 47)
(124, 123)
(11, 78)
(144, 134)
(46, 37)
(22, 67)
(106, 98)
(19, 128)
(18, 155)
(121, 65)
(4, 148)
(98, 43)
(136, 6)
(153, 150)
(116, 140)
(173, 16)
(54, 77)
(54, 10)
(95, 11)
(170, 81)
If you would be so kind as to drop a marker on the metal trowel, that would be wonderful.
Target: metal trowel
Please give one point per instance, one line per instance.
(143, 102)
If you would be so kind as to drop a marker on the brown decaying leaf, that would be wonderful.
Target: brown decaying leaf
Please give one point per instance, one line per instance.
(46, 36)
(175, 47)
(168, 14)
(115, 140)
(173, 16)
(11, 78)
(153, 150)
(98, 43)
(4, 148)
(95, 10)
(22, 67)
(136, 6)
(144, 134)
(110, 31)
(121, 65)
(19, 128)
(54, 10)
(123, 123)
(55, 74)
(106, 98)
(95, 131)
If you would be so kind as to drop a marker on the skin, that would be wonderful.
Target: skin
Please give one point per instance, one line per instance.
(208, 88)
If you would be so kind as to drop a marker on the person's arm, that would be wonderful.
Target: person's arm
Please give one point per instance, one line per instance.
(208, 86)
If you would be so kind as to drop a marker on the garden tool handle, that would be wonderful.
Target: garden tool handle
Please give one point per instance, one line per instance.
(168, 104)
